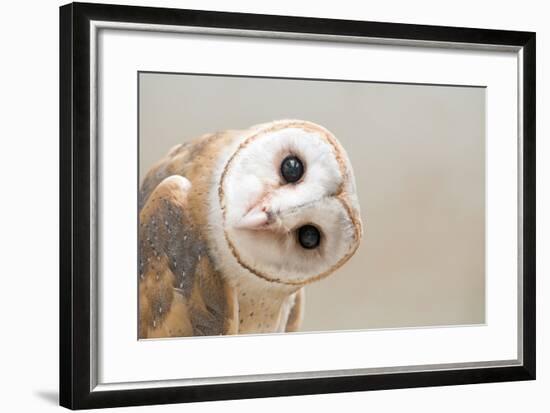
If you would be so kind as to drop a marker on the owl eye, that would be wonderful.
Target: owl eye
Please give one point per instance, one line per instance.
(292, 169)
(309, 237)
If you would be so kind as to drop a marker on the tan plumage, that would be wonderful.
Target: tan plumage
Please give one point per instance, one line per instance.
(180, 294)
(193, 279)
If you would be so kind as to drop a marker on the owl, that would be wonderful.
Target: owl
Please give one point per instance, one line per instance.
(234, 224)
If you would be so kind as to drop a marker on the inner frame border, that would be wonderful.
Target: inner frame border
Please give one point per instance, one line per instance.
(96, 27)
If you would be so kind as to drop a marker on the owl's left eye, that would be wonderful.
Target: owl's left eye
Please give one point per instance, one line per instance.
(309, 237)
(292, 169)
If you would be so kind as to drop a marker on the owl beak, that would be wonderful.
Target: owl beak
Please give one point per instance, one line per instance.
(253, 219)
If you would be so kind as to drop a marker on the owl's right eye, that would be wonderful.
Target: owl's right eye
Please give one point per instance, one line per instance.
(292, 169)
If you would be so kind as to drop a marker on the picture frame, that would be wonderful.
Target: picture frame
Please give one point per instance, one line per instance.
(81, 155)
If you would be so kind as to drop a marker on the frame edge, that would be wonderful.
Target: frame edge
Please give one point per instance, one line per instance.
(529, 205)
(66, 366)
(74, 334)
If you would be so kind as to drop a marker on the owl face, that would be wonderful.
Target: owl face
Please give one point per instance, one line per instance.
(289, 206)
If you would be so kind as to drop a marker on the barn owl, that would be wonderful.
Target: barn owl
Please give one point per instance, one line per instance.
(234, 224)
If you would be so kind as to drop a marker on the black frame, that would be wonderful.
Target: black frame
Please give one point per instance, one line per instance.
(75, 223)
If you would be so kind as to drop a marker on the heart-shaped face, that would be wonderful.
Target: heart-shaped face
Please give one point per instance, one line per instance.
(289, 205)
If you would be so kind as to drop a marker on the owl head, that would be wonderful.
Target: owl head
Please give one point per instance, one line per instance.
(288, 202)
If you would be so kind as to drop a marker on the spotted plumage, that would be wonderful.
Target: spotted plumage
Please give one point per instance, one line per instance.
(234, 224)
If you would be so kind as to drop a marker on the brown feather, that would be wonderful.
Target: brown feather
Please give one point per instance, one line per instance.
(180, 293)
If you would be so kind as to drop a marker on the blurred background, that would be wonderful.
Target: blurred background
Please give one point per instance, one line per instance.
(418, 153)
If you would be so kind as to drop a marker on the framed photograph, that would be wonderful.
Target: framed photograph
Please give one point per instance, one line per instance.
(256, 205)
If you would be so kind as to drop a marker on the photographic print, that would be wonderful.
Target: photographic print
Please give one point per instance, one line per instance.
(273, 205)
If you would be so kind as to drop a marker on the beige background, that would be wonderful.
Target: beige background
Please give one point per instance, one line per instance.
(418, 152)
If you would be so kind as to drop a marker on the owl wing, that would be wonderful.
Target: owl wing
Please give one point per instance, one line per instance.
(180, 293)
